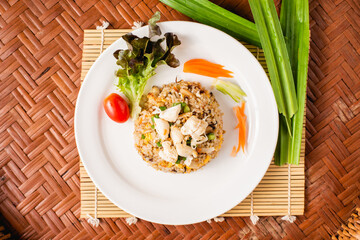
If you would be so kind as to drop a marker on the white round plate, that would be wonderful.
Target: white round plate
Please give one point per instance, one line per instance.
(111, 160)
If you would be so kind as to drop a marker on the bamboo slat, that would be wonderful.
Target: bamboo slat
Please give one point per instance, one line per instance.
(270, 197)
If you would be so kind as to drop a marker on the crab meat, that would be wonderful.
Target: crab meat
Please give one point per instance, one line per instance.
(198, 140)
(194, 127)
(185, 150)
(168, 153)
(171, 114)
(162, 128)
(176, 135)
(188, 161)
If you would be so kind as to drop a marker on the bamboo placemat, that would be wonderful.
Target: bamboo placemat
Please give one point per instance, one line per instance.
(270, 197)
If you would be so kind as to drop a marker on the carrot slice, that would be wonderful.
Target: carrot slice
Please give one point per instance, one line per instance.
(206, 68)
(234, 152)
(220, 71)
(204, 62)
(241, 117)
(204, 72)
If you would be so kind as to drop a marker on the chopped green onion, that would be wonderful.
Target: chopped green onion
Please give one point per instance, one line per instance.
(142, 136)
(186, 109)
(159, 143)
(209, 13)
(211, 136)
(170, 123)
(153, 126)
(162, 108)
(152, 119)
(181, 103)
(188, 142)
(156, 116)
(277, 58)
(231, 89)
(180, 158)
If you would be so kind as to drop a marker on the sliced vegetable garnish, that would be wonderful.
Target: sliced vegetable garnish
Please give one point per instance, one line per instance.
(241, 117)
(162, 108)
(153, 126)
(231, 89)
(159, 143)
(211, 136)
(206, 68)
(139, 61)
(156, 116)
(142, 136)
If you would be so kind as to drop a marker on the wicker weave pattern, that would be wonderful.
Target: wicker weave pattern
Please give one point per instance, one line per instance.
(40, 56)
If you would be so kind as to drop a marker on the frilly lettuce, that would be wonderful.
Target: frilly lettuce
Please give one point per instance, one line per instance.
(139, 61)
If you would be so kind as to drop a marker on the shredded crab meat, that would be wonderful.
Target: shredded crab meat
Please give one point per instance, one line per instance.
(162, 128)
(176, 135)
(185, 150)
(199, 140)
(171, 114)
(194, 127)
(168, 153)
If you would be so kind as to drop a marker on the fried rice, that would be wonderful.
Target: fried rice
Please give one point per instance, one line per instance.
(197, 105)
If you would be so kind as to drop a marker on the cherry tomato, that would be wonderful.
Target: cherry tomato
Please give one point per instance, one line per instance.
(116, 108)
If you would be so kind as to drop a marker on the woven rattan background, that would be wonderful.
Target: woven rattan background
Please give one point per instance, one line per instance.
(40, 55)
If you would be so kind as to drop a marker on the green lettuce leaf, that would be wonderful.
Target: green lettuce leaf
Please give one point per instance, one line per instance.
(138, 63)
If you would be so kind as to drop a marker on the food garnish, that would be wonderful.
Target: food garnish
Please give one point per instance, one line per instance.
(116, 108)
(209, 69)
(241, 117)
(206, 68)
(229, 88)
(139, 61)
